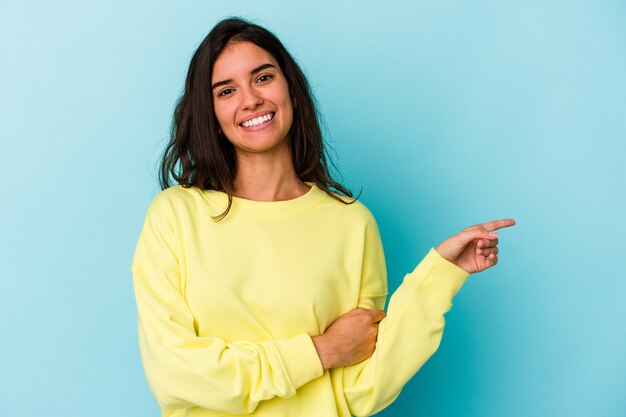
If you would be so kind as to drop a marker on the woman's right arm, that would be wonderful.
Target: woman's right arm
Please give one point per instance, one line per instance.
(186, 370)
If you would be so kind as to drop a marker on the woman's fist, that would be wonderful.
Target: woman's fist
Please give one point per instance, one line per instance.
(350, 339)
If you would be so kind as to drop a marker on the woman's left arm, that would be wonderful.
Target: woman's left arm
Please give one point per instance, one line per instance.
(411, 332)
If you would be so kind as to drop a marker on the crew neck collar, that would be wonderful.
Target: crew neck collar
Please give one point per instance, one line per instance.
(268, 209)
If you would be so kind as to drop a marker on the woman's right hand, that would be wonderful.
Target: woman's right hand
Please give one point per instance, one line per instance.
(350, 339)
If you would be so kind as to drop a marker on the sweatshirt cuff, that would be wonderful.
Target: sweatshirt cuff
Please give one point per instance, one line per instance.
(439, 277)
(301, 361)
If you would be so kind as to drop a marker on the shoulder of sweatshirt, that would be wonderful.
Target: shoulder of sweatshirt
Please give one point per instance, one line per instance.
(176, 198)
(352, 210)
(175, 194)
(171, 205)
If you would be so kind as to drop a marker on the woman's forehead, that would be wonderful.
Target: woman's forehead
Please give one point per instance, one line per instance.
(240, 58)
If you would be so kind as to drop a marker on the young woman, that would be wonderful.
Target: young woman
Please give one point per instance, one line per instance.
(260, 282)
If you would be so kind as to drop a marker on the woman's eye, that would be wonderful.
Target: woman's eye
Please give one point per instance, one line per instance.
(225, 92)
(263, 78)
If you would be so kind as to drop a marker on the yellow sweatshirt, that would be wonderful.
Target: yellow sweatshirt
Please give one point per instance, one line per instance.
(227, 309)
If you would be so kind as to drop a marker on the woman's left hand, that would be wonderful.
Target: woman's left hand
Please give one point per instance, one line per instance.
(475, 248)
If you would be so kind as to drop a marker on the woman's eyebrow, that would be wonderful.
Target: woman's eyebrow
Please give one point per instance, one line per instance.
(254, 71)
(261, 68)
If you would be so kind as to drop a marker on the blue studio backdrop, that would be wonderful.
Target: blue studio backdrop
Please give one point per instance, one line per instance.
(445, 114)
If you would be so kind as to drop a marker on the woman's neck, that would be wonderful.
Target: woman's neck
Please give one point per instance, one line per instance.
(267, 178)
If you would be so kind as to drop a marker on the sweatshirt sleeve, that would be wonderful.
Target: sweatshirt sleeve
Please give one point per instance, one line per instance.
(186, 370)
(407, 337)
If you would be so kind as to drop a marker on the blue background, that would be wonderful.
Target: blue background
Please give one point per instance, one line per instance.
(446, 113)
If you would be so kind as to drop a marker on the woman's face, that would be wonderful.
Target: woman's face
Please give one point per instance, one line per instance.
(251, 99)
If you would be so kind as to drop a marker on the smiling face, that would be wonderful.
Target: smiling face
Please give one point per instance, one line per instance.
(251, 99)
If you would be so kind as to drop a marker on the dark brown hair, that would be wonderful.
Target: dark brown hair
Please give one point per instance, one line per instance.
(199, 155)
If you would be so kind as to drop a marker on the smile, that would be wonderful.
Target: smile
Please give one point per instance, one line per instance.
(257, 121)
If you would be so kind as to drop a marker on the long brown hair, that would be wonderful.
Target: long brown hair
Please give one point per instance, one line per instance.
(199, 155)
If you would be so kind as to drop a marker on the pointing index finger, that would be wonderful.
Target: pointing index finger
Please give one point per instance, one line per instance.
(498, 224)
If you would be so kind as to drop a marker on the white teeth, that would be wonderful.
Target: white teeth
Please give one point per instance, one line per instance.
(258, 120)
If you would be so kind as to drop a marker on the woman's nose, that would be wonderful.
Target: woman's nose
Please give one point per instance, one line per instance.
(251, 99)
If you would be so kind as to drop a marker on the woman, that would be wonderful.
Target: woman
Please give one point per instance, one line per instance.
(260, 283)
